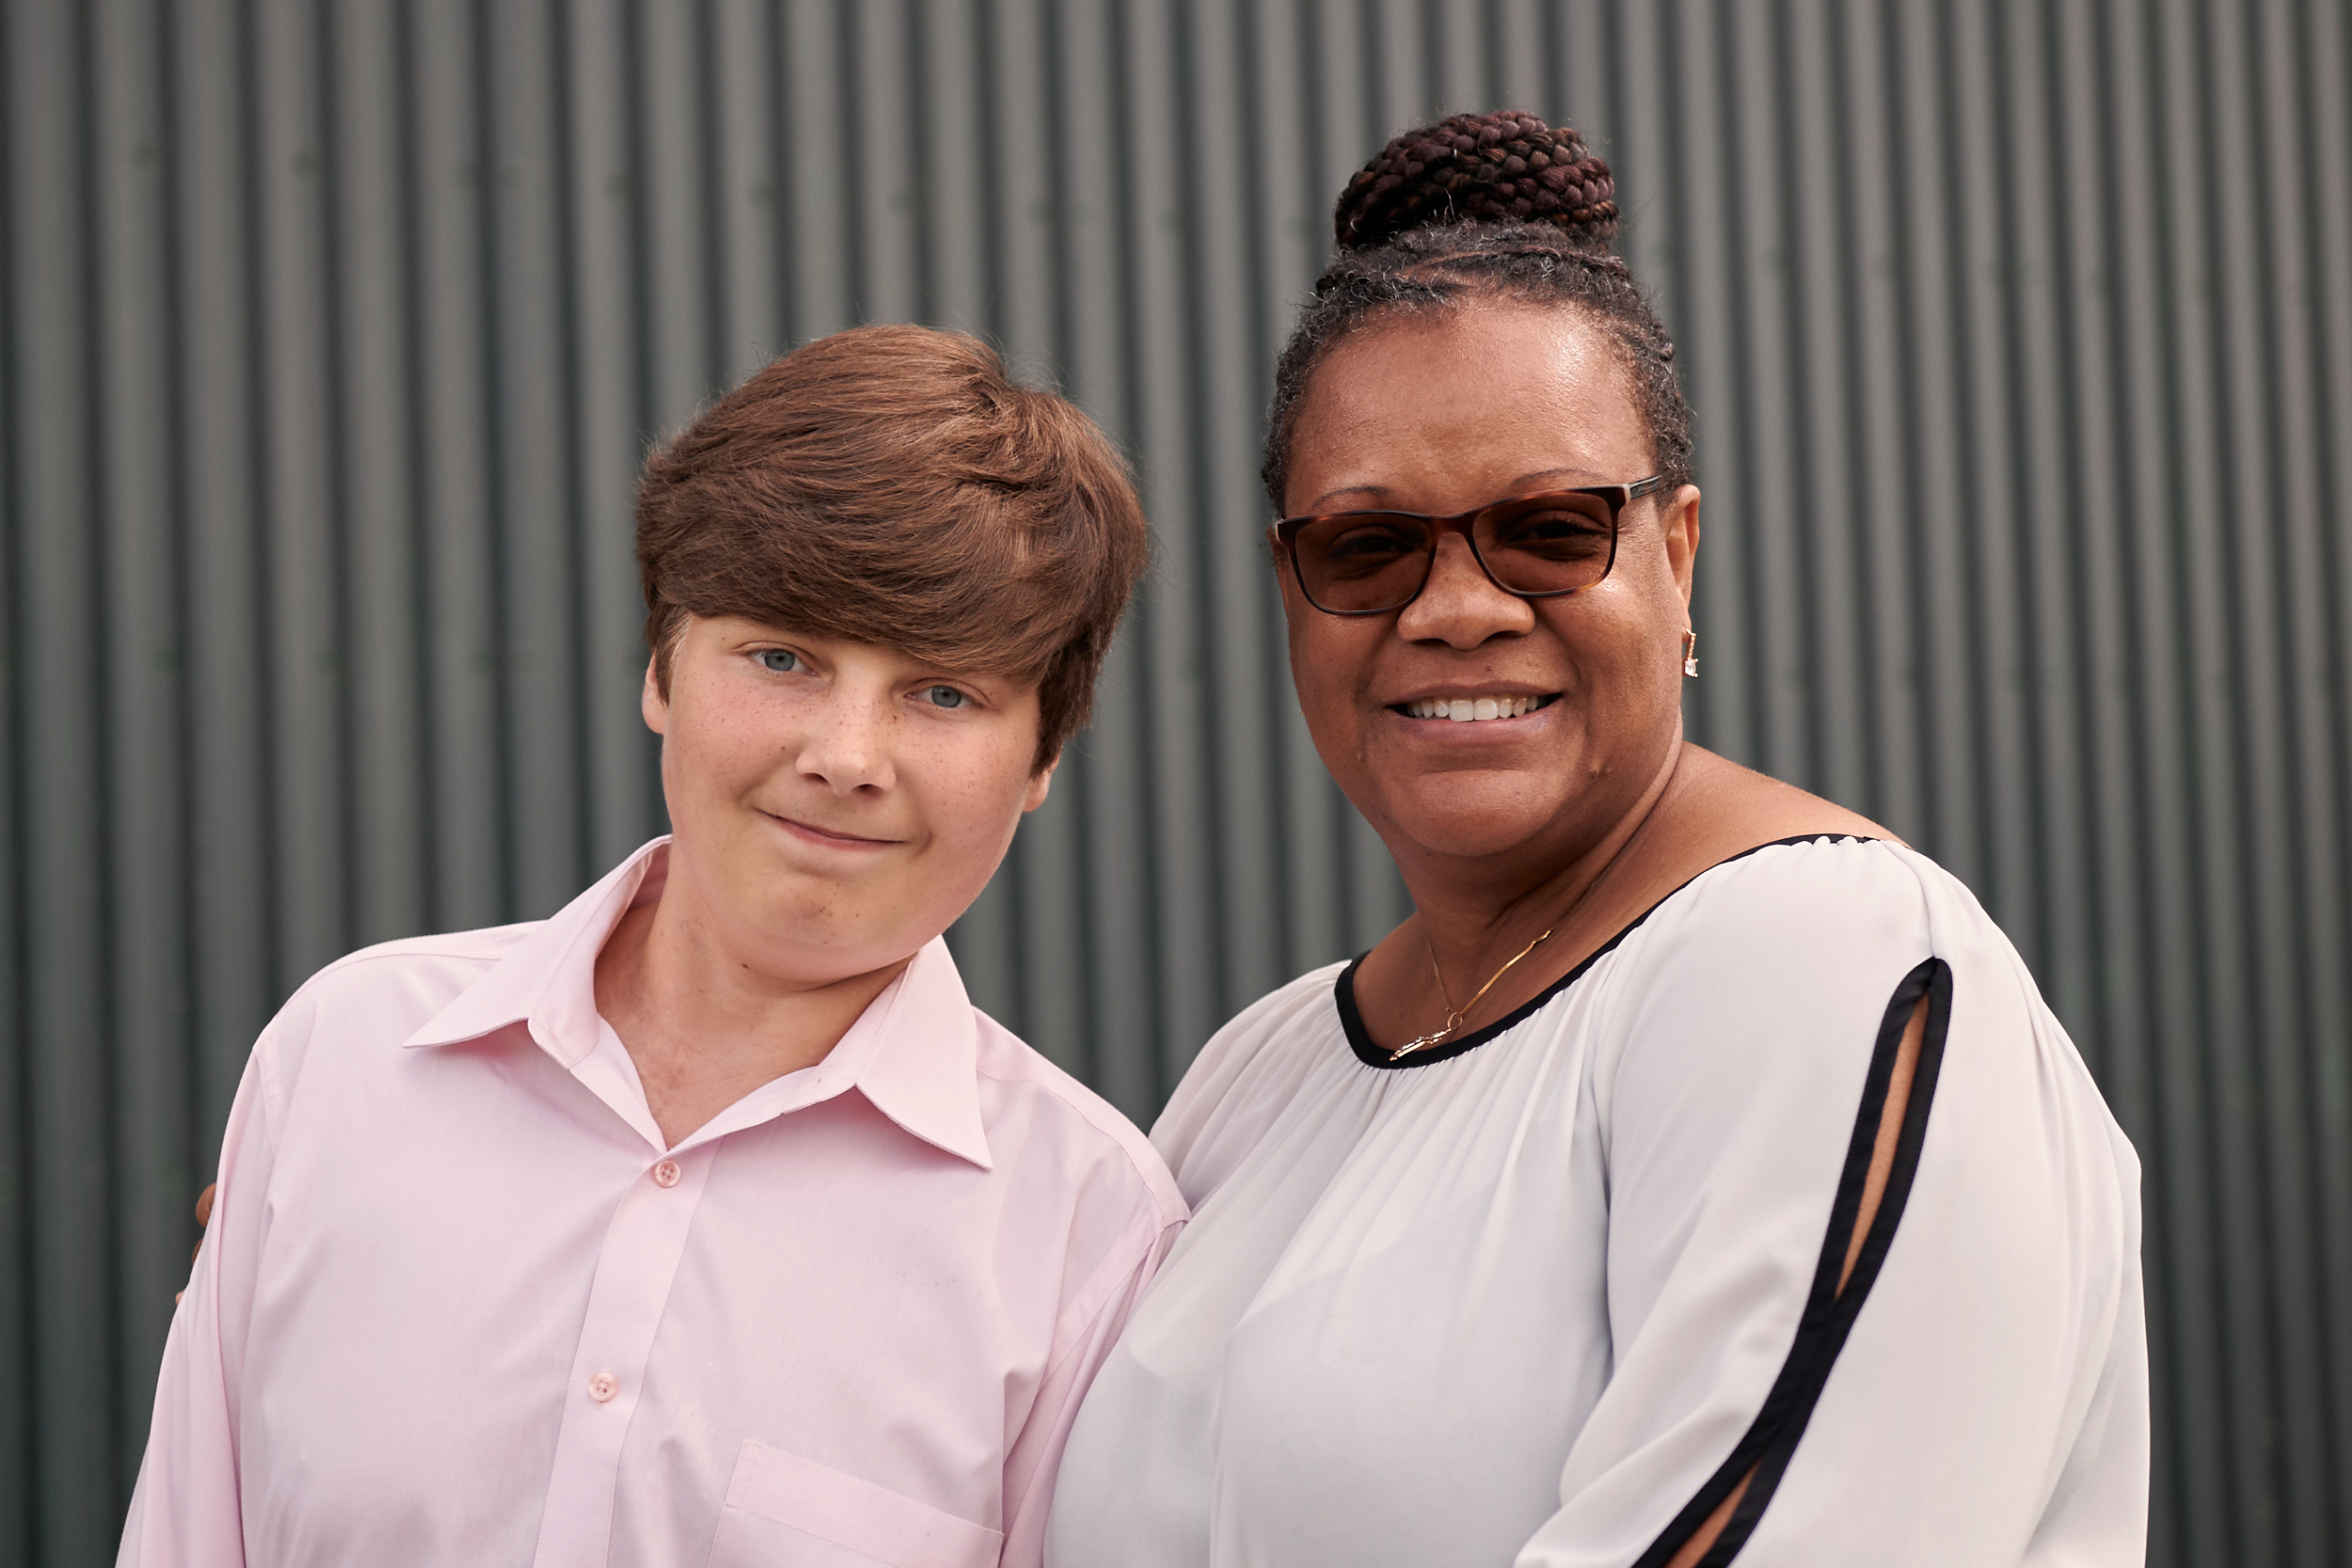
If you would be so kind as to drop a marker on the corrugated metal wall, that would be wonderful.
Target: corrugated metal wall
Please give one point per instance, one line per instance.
(2021, 341)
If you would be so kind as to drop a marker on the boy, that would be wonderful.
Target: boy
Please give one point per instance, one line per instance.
(707, 1220)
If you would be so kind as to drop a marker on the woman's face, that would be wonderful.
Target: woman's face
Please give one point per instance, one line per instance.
(1440, 414)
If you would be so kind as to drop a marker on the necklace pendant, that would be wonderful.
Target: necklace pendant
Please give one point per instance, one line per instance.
(1426, 1041)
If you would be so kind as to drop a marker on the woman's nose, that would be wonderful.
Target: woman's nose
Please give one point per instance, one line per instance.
(1459, 604)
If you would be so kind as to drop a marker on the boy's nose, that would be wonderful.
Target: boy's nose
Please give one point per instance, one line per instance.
(849, 749)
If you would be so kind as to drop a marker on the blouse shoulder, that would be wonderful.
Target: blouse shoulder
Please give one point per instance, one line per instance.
(1793, 956)
(1787, 952)
(1845, 903)
(1244, 1076)
(1849, 899)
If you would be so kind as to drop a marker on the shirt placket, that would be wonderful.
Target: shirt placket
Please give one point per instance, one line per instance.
(635, 1268)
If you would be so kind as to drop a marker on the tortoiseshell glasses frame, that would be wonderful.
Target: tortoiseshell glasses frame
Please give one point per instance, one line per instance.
(1536, 547)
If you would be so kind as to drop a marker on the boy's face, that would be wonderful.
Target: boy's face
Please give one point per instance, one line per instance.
(836, 804)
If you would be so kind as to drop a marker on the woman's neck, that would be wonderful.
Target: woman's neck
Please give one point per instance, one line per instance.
(1472, 914)
(1696, 810)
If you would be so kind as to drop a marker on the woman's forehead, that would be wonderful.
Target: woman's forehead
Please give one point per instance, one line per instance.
(1482, 400)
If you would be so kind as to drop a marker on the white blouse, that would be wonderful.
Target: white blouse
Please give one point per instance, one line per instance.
(1545, 1296)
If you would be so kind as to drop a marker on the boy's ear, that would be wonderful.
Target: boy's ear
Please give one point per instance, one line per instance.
(652, 705)
(1041, 785)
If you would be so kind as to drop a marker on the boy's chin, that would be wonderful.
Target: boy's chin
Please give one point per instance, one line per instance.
(835, 930)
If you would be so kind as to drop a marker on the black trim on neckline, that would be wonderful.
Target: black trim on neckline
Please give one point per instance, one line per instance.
(1763, 1452)
(1360, 1039)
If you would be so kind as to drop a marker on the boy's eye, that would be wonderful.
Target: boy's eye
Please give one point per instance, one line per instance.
(782, 660)
(945, 696)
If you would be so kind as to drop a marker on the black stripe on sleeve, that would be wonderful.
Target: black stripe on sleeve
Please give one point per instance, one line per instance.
(1771, 1440)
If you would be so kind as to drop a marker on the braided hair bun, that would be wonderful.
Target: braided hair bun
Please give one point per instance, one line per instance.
(1481, 206)
(1508, 167)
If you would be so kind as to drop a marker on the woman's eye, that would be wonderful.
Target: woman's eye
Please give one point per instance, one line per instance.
(783, 661)
(1553, 534)
(945, 696)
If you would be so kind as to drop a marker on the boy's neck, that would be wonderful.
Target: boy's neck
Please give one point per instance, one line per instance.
(704, 1028)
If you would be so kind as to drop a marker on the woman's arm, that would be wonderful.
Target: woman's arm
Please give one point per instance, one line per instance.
(1873, 1251)
(1878, 1173)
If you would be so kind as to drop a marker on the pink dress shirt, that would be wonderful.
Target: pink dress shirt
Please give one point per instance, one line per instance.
(459, 1304)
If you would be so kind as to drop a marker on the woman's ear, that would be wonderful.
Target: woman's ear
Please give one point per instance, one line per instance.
(1680, 529)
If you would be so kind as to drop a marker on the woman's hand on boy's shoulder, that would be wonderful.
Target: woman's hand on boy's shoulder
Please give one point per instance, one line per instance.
(203, 1221)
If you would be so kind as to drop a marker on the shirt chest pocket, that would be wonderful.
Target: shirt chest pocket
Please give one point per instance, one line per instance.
(786, 1511)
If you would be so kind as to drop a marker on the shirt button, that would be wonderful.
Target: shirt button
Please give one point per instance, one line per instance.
(602, 1386)
(665, 1174)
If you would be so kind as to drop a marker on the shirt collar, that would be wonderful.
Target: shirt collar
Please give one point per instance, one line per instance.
(912, 1053)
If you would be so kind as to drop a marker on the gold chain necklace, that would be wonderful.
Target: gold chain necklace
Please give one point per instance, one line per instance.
(1453, 1018)
(1456, 1014)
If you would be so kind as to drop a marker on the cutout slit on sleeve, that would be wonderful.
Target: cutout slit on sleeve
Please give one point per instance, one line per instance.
(1841, 1280)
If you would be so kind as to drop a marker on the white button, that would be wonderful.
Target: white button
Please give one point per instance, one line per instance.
(602, 1386)
(665, 1174)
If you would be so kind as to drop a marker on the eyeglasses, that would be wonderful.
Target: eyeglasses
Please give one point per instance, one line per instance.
(1535, 546)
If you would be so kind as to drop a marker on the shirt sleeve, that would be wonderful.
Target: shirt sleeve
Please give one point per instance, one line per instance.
(1091, 1326)
(1974, 1391)
(185, 1507)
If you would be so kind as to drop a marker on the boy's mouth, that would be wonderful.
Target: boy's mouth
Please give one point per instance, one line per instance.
(833, 835)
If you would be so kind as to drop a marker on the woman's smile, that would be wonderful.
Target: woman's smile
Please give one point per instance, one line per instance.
(1475, 708)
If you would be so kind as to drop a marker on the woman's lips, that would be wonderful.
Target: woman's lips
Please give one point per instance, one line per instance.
(1486, 709)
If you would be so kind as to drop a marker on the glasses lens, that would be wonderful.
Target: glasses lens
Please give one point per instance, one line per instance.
(1547, 544)
(1361, 561)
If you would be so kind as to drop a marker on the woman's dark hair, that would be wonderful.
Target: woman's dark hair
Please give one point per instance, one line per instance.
(1481, 205)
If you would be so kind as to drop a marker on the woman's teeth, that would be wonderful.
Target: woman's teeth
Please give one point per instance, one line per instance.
(1464, 711)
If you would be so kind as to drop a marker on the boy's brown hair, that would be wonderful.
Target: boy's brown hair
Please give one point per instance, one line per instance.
(892, 485)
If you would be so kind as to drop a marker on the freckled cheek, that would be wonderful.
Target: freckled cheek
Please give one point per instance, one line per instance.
(737, 744)
(976, 804)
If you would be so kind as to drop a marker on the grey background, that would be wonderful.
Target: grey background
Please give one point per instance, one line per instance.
(2020, 337)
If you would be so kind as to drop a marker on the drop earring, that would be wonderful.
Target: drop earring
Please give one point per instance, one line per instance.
(1691, 654)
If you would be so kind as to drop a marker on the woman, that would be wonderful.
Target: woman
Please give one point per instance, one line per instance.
(1698, 1172)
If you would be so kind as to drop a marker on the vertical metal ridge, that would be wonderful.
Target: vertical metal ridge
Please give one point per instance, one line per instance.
(134, 493)
(2325, 205)
(576, 526)
(100, 640)
(253, 381)
(2126, 1011)
(2072, 667)
(417, 611)
(67, 1194)
(484, 154)
(2266, 635)
(190, 1139)
(336, 486)
(1871, 643)
(20, 1337)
